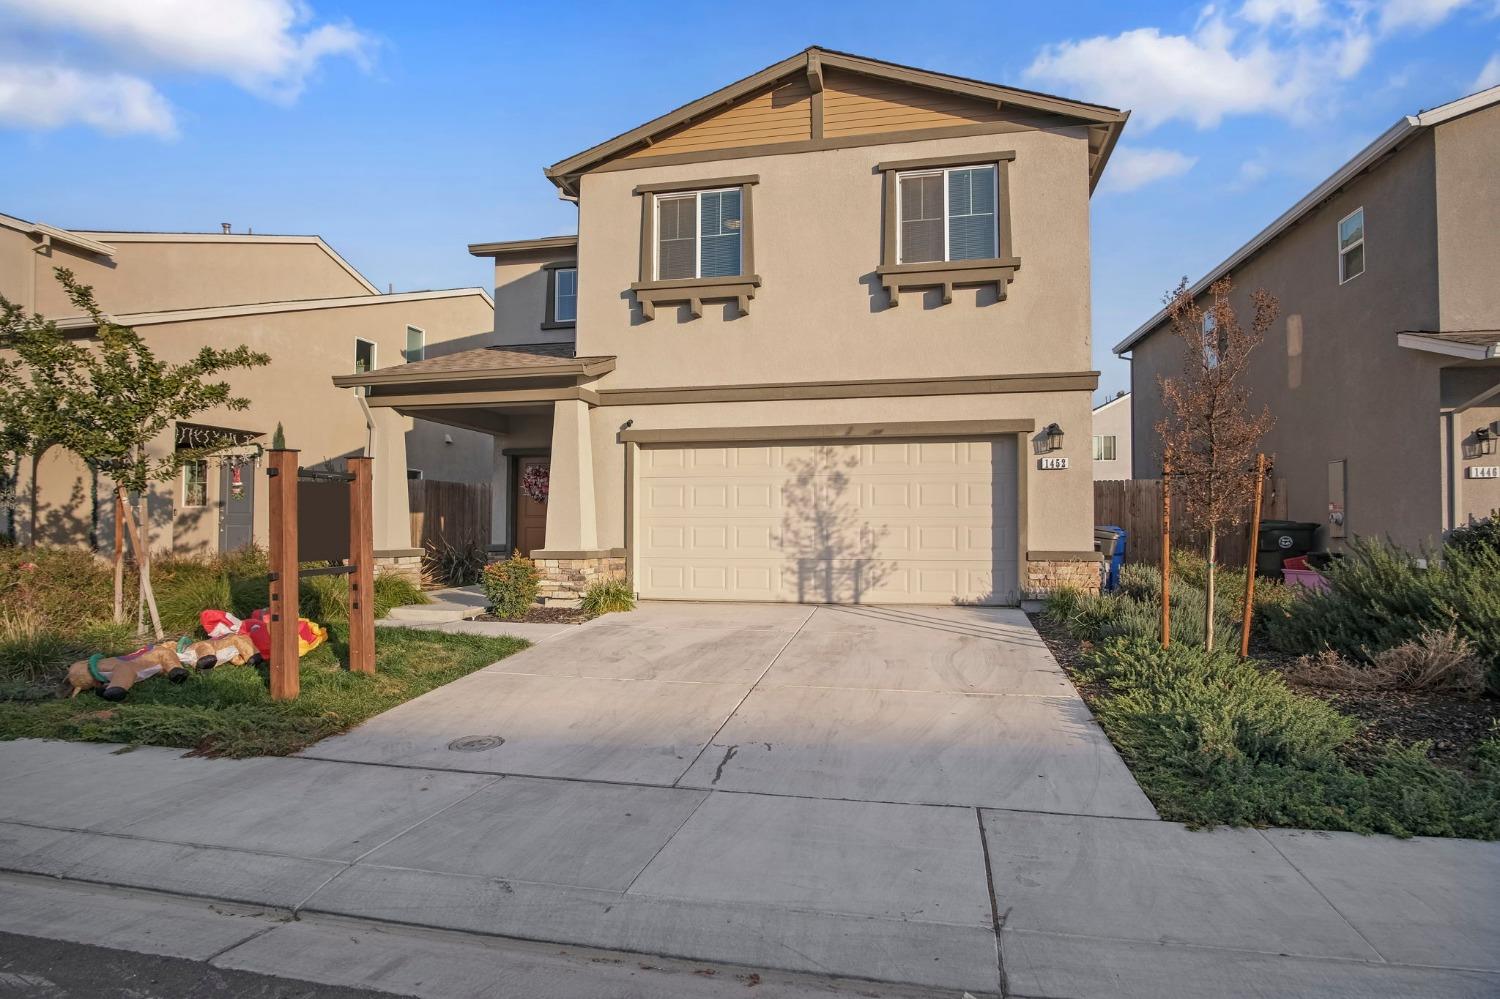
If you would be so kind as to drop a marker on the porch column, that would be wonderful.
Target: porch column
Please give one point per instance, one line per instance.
(572, 524)
(392, 506)
(500, 493)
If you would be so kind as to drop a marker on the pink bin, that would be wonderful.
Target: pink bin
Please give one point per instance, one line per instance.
(1296, 573)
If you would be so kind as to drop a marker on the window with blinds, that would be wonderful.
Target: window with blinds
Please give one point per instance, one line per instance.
(947, 215)
(565, 295)
(698, 234)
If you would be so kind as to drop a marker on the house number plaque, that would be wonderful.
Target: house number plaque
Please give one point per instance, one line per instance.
(1484, 471)
(1051, 463)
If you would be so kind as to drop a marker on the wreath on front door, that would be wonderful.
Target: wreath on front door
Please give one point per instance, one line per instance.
(535, 481)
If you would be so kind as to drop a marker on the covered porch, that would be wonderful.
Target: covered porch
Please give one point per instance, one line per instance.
(534, 402)
(1469, 393)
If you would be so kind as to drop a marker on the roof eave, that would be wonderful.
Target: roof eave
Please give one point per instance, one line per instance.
(1449, 348)
(520, 247)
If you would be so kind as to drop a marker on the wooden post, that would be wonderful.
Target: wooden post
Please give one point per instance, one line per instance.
(1166, 557)
(1260, 479)
(147, 596)
(281, 469)
(119, 555)
(362, 559)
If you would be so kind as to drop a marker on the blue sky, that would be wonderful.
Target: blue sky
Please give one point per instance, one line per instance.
(402, 131)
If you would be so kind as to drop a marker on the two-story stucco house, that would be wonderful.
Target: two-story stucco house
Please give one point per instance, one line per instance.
(292, 297)
(1383, 372)
(806, 345)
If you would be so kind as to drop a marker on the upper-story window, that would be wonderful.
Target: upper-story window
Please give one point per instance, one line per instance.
(947, 215)
(1212, 345)
(1104, 447)
(364, 361)
(697, 244)
(562, 296)
(946, 225)
(565, 295)
(416, 344)
(698, 234)
(1352, 245)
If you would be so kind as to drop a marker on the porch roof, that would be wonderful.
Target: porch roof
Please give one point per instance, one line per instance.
(1471, 345)
(512, 363)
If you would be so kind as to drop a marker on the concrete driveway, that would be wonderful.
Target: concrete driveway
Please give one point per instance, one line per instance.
(928, 706)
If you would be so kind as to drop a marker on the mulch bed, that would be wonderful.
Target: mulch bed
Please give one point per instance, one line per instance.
(543, 615)
(1454, 726)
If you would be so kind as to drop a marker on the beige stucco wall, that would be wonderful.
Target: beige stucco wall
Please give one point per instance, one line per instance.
(1472, 498)
(150, 276)
(820, 312)
(1113, 419)
(521, 299)
(323, 422)
(1330, 369)
(1468, 207)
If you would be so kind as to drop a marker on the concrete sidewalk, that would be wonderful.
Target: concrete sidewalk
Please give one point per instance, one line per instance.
(898, 795)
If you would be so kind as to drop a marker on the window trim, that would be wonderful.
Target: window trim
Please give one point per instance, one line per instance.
(945, 274)
(406, 351)
(203, 462)
(1343, 251)
(374, 361)
(650, 291)
(1114, 447)
(549, 310)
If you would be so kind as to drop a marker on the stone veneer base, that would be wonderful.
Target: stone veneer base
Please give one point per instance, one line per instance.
(1045, 575)
(564, 580)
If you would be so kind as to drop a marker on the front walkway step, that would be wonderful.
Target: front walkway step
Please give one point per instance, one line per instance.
(456, 604)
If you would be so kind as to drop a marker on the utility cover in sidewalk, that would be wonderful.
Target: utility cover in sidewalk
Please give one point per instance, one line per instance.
(476, 743)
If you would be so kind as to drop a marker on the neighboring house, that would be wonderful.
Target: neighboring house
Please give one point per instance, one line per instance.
(1112, 439)
(295, 299)
(1383, 371)
(805, 346)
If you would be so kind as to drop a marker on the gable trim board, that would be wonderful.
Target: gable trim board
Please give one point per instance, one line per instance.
(1366, 159)
(632, 149)
(522, 247)
(43, 232)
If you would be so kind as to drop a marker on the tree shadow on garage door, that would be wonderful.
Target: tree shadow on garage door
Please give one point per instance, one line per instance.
(833, 551)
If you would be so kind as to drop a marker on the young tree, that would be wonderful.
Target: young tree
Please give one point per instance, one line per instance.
(39, 386)
(1210, 439)
(118, 398)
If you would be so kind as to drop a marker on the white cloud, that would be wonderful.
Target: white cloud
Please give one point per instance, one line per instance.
(1418, 14)
(1132, 167)
(268, 47)
(1299, 13)
(41, 96)
(1489, 76)
(1199, 78)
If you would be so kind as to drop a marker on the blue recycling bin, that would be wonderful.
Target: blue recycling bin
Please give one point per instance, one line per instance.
(1109, 541)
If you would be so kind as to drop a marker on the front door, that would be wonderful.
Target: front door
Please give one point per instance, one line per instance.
(236, 504)
(531, 513)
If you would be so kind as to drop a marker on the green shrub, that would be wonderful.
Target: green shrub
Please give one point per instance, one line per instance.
(511, 586)
(1379, 597)
(608, 596)
(1474, 538)
(1135, 610)
(1214, 739)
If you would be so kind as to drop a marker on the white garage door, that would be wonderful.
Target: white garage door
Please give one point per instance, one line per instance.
(918, 522)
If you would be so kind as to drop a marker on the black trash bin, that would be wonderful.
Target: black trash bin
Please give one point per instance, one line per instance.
(1280, 540)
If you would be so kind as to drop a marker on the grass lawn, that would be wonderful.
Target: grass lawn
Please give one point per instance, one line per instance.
(229, 712)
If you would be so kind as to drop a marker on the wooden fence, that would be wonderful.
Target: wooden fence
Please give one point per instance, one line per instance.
(456, 514)
(1135, 504)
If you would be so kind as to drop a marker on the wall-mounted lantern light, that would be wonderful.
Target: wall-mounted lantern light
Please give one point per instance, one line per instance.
(1484, 441)
(1054, 437)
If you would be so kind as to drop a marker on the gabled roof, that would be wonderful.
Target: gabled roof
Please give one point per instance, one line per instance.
(265, 308)
(812, 61)
(1119, 398)
(41, 230)
(1367, 158)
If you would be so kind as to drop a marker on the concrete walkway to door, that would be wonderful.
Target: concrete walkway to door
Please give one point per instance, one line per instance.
(912, 795)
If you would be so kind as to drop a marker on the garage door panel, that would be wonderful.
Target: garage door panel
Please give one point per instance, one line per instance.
(888, 521)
